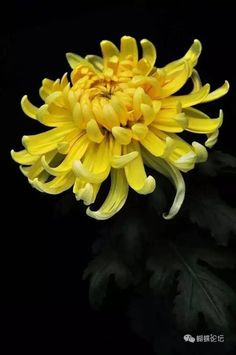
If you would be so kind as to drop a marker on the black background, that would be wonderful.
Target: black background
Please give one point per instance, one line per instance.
(45, 242)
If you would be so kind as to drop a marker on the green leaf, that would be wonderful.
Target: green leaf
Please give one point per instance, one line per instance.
(199, 289)
(210, 211)
(100, 270)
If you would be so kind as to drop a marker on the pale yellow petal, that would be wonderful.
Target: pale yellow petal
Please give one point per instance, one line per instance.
(56, 186)
(173, 175)
(76, 152)
(116, 197)
(212, 139)
(200, 151)
(122, 135)
(119, 161)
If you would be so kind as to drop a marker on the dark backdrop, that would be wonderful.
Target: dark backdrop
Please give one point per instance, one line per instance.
(46, 243)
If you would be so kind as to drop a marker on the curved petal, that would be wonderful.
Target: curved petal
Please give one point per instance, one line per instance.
(119, 161)
(85, 191)
(135, 172)
(109, 50)
(74, 60)
(173, 175)
(153, 143)
(23, 157)
(36, 169)
(216, 94)
(76, 152)
(200, 151)
(116, 197)
(149, 52)
(96, 164)
(56, 186)
(96, 61)
(198, 122)
(173, 124)
(128, 48)
(212, 139)
(175, 81)
(197, 84)
(187, 100)
(28, 108)
(43, 142)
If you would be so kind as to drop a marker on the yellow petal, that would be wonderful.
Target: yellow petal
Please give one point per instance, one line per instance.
(149, 52)
(43, 142)
(56, 186)
(78, 116)
(37, 168)
(108, 50)
(176, 82)
(82, 172)
(167, 124)
(28, 108)
(93, 131)
(96, 164)
(76, 152)
(85, 191)
(193, 53)
(183, 155)
(200, 151)
(135, 172)
(23, 157)
(187, 100)
(173, 175)
(153, 143)
(216, 94)
(74, 60)
(140, 130)
(122, 135)
(96, 61)
(148, 113)
(52, 120)
(120, 109)
(119, 161)
(129, 49)
(212, 139)
(196, 81)
(116, 197)
(110, 117)
(202, 124)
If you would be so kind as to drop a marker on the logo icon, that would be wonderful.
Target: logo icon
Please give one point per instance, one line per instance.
(188, 337)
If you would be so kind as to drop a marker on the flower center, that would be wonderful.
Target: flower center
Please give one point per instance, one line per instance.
(108, 102)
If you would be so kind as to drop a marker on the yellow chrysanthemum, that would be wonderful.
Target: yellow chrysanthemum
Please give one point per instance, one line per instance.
(117, 115)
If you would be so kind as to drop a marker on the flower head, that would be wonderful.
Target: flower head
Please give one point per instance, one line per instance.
(116, 115)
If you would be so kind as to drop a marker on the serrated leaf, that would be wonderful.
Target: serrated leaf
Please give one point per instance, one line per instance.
(100, 270)
(208, 210)
(199, 289)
